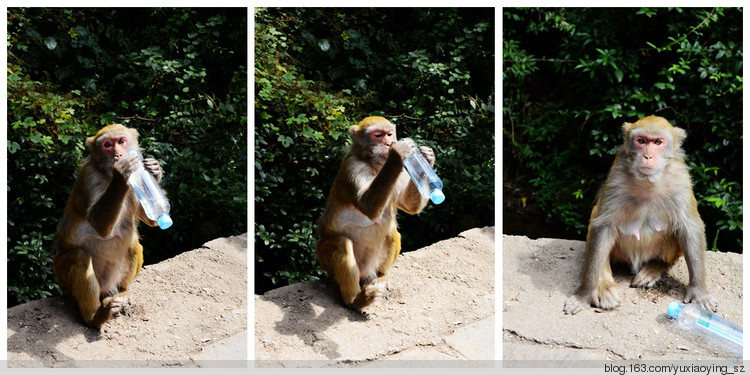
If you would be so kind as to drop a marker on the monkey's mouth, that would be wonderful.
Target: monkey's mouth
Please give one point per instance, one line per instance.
(646, 169)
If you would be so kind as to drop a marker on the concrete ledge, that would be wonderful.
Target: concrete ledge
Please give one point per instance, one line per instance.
(440, 313)
(539, 275)
(189, 311)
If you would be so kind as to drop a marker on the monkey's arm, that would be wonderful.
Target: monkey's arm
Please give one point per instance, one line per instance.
(140, 213)
(374, 199)
(692, 241)
(104, 213)
(410, 200)
(597, 285)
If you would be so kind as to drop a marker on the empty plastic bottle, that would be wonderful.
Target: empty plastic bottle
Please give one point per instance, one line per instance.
(149, 194)
(427, 181)
(708, 325)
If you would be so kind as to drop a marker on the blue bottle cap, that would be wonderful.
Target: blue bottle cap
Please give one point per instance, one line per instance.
(164, 221)
(437, 196)
(674, 309)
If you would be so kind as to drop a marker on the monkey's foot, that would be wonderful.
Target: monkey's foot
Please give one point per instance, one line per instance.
(118, 304)
(110, 306)
(648, 275)
(702, 298)
(367, 295)
(607, 295)
(574, 305)
(376, 289)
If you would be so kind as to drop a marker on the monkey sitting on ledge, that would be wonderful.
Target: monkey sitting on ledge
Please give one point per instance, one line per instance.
(358, 238)
(97, 252)
(645, 216)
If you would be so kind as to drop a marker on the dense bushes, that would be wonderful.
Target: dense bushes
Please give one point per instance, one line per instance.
(573, 76)
(319, 71)
(178, 76)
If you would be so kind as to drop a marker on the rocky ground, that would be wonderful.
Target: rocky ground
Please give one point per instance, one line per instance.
(189, 311)
(439, 313)
(539, 275)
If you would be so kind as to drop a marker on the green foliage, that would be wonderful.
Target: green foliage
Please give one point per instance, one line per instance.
(319, 71)
(176, 75)
(38, 178)
(573, 76)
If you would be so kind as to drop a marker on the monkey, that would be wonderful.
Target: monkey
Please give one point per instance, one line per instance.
(97, 250)
(645, 215)
(358, 238)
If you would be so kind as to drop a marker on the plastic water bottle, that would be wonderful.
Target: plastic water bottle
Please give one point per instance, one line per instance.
(427, 181)
(708, 325)
(149, 194)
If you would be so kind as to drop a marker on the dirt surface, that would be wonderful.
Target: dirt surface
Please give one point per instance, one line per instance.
(188, 311)
(439, 313)
(539, 275)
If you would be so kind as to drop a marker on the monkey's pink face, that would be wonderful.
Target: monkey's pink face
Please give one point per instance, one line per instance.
(115, 146)
(649, 152)
(383, 136)
(381, 140)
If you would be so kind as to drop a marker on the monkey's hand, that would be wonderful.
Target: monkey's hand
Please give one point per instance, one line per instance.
(126, 165)
(153, 167)
(607, 295)
(701, 297)
(403, 148)
(428, 154)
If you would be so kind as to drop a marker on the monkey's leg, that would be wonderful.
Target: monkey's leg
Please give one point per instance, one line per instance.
(81, 282)
(378, 284)
(135, 262)
(392, 248)
(342, 265)
(668, 253)
(649, 274)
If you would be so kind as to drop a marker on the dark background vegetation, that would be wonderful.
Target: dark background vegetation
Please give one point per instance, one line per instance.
(319, 71)
(571, 77)
(179, 76)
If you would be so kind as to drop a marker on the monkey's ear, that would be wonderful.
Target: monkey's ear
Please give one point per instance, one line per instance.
(90, 144)
(133, 134)
(354, 129)
(679, 135)
(626, 128)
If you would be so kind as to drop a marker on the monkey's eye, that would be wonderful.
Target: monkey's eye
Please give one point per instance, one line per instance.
(640, 141)
(658, 142)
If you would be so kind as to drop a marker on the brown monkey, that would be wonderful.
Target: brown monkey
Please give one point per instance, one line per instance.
(358, 238)
(97, 253)
(646, 216)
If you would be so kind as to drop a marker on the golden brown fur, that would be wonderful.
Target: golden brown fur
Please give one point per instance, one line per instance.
(645, 216)
(358, 238)
(98, 253)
